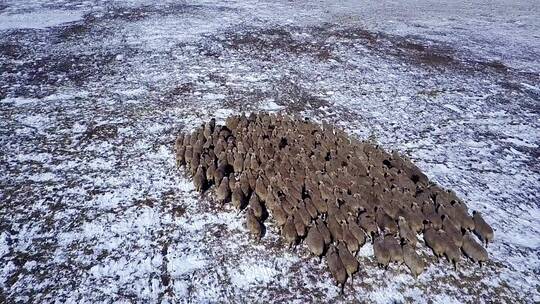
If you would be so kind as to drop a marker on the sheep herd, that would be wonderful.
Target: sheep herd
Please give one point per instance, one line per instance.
(331, 191)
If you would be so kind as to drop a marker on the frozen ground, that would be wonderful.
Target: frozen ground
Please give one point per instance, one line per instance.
(92, 208)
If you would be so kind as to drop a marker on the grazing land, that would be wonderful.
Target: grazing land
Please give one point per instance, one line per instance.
(93, 94)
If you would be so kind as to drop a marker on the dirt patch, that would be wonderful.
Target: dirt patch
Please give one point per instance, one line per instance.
(432, 58)
(73, 31)
(354, 33)
(39, 77)
(143, 12)
(181, 89)
(411, 45)
(11, 50)
(103, 132)
(268, 43)
(496, 65)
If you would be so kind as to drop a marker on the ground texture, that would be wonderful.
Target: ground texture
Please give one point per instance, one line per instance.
(92, 93)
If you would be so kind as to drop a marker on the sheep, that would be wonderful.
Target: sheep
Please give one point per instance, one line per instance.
(451, 251)
(255, 206)
(232, 182)
(237, 197)
(252, 179)
(238, 163)
(279, 215)
(413, 261)
(210, 171)
(253, 162)
(452, 231)
(434, 220)
(323, 229)
(223, 191)
(197, 148)
(188, 156)
(179, 141)
(260, 189)
(335, 229)
(433, 241)
(222, 159)
(394, 248)
(315, 242)
(385, 222)
(303, 213)
(356, 231)
(416, 218)
(333, 211)
(317, 183)
(462, 217)
(382, 255)
(232, 122)
(180, 152)
(317, 201)
(199, 179)
(447, 210)
(287, 206)
(299, 225)
(473, 250)
(481, 228)
(244, 184)
(406, 232)
(219, 174)
(336, 267)
(350, 240)
(289, 232)
(253, 225)
(310, 208)
(368, 223)
(348, 260)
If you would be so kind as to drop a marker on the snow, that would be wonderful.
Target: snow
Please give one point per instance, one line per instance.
(115, 217)
(20, 101)
(247, 275)
(38, 20)
(4, 248)
(270, 106)
(180, 265)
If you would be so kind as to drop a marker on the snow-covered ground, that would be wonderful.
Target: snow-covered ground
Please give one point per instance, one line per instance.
(92, 93)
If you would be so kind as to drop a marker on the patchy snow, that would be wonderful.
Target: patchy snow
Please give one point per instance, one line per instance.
(452, 85)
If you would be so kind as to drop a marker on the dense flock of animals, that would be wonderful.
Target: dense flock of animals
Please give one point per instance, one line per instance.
(330, 191)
